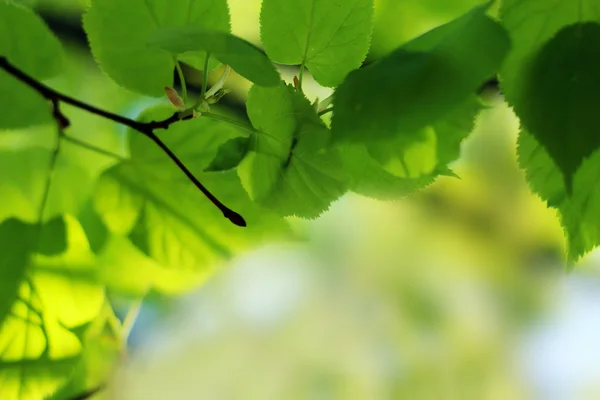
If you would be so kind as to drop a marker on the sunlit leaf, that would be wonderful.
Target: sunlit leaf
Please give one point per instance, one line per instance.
(330, 37)
(290, 168)
(118, 32)
(229, 155)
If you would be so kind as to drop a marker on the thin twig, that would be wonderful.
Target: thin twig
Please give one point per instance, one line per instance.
(325, 111)
(145, 128)
(93, 148)
(50, 176)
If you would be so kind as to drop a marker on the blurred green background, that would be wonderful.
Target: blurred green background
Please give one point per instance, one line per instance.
(457, 292)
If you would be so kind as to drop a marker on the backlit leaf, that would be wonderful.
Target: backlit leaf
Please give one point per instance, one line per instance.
(330, 37)
(118, 32)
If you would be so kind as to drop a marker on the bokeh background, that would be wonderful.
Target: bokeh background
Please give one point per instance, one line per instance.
(457, 292)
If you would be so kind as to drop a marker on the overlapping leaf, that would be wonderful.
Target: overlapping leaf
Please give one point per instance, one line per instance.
(421, 82)
(330, 37)
(393, 168)
(549, 76)
(150, 200)
(580, 212)
(242, 56)
(27, 43)
(118, 32)
(56, 293)
(291, 168)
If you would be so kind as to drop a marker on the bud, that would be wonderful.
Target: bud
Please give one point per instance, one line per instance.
(174, 98)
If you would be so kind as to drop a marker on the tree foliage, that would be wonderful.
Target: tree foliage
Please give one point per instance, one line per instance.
(152, 218)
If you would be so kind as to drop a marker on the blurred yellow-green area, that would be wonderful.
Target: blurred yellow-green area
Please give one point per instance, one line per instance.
(457, 292)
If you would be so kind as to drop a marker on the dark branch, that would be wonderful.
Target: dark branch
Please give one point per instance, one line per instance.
(145, 128)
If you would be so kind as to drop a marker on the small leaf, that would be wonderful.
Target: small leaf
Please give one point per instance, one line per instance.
(330, 37)
(229, 155)
(242, 56)
(291, 168)
(421, 82)
(174, 98)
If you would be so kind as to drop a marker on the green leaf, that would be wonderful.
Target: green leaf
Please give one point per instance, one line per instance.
(580, 212)
(38, 354)
(291, 168)
(58, 293)
(229, 155)
(150, 200)
(28, 44)
(421, 82)
(24, 174)
(394, 169)
(118, 32)
(530, 24)
(242, 56)
(18, 241)
(330, 37)
(560, 104)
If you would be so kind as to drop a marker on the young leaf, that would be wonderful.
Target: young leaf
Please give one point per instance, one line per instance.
(580, 212)
(229, 155)
(421, 82)
(165, 216)
(242, 56)
(560, 103)
(27, 43)
(174, 98)
(291, 168)
(118, 32)
(330, 37)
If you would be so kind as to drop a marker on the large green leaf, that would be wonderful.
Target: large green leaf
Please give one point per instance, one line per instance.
(118, 32)
(291, 168)
(242, 56)
(421, 82)
(330, 37)
(559, 104)
(27, 43)
(149, 199)
(38, 350)
(580, 213)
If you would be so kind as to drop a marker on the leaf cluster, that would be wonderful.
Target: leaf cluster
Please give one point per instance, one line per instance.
(151, 218)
